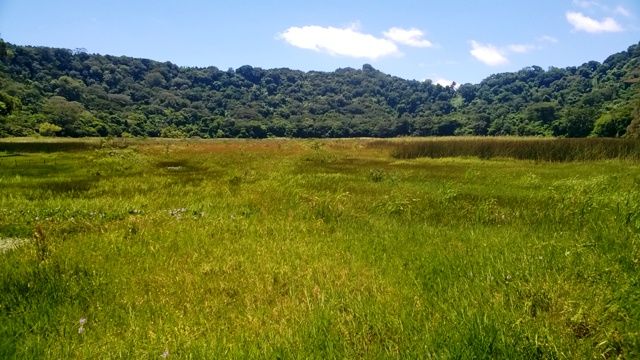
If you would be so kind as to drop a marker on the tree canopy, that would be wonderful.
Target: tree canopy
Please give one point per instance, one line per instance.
(101, 95)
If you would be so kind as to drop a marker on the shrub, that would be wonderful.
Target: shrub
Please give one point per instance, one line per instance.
(47, 129)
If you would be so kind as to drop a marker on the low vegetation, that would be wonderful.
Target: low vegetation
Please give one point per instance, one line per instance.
(316, 249)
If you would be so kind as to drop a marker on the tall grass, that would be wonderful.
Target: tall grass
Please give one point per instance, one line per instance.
(525, 149)
(316, 249)
(51, 145)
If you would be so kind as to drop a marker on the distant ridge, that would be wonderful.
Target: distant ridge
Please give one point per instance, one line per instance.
(61, 92)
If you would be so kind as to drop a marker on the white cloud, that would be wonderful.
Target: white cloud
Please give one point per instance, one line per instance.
(618, 10)
(541, 43)
(547, 38)
(494, 56)
(340, 41)
(488, 54)
(523, 48)
(411, 37)
(445, 83)
(622, 11)
(585, 3)
(585, 23)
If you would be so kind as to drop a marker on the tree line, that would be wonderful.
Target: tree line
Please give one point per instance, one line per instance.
(62, 92)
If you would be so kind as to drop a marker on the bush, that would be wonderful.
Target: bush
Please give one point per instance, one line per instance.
(47, 129)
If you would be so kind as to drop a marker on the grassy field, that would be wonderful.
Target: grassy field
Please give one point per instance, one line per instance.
(314, 249)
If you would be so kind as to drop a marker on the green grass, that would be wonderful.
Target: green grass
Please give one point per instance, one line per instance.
(316, 249)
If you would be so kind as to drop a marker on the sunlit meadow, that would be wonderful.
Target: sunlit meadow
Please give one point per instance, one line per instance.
(314, 249)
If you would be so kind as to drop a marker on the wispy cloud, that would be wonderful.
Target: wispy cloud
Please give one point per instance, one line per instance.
(548, 39)
(622, 11)
(497, 55)
(581, 22)
(347, 41)
(411, 37)
(541, 43)
(488, 54)
(593, 4)
(523, 48)
(585, 3)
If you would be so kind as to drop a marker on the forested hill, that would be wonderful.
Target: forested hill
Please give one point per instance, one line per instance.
(62, 92)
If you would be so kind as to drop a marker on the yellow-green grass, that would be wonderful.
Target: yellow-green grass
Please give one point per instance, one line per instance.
(316, 249)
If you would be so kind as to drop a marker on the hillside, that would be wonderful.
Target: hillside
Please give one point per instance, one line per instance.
(72, 93)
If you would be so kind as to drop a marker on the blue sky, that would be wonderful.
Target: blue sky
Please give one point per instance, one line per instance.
(452, 40)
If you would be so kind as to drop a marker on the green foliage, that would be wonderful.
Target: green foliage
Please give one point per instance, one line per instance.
(47, 129)
(5, 52)
(109, 96)
(9, 104)
(633, 130)
(545, 112)
(65, 114)
(613, 123)
(68, 88)
(154, 79)
(575, 122)
(173, 133)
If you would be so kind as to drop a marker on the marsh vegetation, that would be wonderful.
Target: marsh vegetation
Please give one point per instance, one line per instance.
(316, 249)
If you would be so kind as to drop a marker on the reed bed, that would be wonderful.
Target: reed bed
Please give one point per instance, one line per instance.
(554, 150)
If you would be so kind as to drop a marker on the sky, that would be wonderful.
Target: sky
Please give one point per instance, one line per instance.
(442, 40)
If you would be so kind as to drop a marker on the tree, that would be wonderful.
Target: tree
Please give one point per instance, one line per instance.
(47, 129)
(69, 88)
(91, 95)
(476, 125)
(63, 113)
(173, 133)
(575, 122)
(5, 51)
(633, 130)
(9, 104)
(544, 112)
(614, 123)
(468, 92)
(155, 79)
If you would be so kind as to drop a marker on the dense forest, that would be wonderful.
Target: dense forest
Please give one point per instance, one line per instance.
(61, 92)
